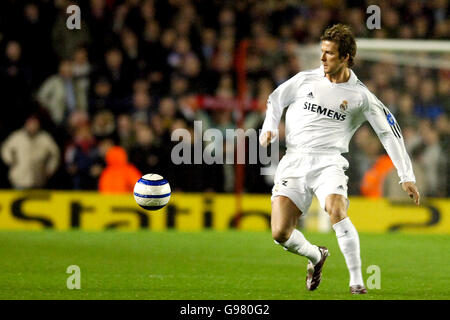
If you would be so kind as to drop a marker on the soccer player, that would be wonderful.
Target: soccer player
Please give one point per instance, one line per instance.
(325, 107)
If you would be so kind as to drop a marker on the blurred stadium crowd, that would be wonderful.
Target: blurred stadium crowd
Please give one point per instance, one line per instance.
(137, 70)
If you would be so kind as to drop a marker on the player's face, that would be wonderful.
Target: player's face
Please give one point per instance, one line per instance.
(330, 58)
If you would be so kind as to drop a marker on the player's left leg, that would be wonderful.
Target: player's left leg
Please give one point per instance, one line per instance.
(330, 187)
(348, 239)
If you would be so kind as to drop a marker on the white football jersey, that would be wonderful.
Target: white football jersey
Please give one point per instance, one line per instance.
(322, 116)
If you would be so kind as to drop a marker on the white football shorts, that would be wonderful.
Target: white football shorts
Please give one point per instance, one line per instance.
(299, 176)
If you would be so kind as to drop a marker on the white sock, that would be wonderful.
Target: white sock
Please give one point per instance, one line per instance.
(348, 241)
(298, 244)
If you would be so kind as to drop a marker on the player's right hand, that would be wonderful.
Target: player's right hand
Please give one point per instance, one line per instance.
(265, 138)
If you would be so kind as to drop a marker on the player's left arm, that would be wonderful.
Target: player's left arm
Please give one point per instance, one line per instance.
(390, 135)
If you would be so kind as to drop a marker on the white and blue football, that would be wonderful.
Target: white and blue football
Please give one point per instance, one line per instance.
(152, 192)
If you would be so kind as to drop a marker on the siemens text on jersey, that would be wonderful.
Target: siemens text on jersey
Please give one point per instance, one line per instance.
(324, 111)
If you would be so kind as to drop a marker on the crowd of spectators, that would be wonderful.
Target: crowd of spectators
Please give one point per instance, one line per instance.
(134, 71)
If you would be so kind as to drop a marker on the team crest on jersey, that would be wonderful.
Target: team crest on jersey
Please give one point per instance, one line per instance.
(344, 105)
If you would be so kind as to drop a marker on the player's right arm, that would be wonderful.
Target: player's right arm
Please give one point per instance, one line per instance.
(279, 99)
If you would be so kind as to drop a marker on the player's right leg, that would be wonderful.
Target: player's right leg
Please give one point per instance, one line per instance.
(291, 197)
(284, 219)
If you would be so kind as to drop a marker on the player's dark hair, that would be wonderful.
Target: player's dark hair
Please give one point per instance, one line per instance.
(343, 36)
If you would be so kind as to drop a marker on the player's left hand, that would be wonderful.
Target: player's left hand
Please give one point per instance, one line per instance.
(412, 191)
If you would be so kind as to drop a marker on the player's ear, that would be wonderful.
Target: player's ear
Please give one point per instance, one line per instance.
(346, 58)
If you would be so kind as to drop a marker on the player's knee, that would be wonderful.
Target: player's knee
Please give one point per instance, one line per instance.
(280, 235)
(336, 207)
(337, 213)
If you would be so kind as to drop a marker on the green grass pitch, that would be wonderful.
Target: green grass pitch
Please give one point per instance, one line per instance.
(231, 265)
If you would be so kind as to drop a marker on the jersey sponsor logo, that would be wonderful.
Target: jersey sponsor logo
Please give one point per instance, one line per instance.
(394, 126)
(330, 113)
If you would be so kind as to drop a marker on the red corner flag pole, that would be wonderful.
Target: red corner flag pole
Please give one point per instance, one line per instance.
(241, 66)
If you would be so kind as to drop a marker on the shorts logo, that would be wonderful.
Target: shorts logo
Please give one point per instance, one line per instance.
(344, 105)
(341, 187)
(284, 182)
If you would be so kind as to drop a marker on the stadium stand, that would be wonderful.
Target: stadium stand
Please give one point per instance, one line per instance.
(137, 70)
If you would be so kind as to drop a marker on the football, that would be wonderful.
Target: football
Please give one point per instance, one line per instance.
(152, 192)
